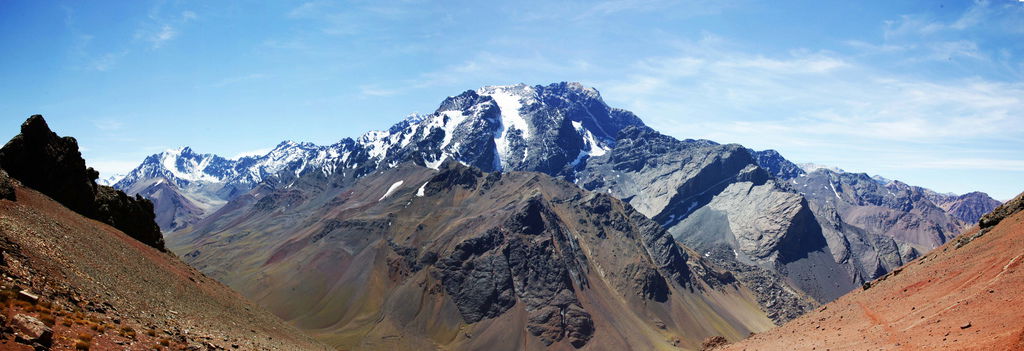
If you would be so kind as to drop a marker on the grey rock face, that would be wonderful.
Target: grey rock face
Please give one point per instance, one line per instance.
(709, 195)
(476, 275)
(526, 259)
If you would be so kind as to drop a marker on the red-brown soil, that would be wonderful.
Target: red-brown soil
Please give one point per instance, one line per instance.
(966, 298)
(103, 290)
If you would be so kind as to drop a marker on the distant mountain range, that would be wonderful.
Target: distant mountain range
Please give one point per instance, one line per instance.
(791, 236)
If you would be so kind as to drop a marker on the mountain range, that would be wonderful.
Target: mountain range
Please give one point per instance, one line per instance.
(364, 216)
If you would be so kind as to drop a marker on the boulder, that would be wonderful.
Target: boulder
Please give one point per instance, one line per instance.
(32, 330)
(6, 187)
(713, 342)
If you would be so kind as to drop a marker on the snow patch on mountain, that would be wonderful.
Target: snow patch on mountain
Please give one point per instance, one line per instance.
(811, 167)
(510, 100)
(391, 189)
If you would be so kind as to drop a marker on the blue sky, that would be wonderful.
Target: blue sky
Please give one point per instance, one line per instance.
(928, 92)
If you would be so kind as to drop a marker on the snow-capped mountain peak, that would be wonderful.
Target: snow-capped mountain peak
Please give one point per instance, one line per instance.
(110, 180)
(551, 129)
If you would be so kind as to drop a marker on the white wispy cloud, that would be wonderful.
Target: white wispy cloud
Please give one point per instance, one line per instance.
(158, 38)
(108, 124)
(161, 27)
(108, 167)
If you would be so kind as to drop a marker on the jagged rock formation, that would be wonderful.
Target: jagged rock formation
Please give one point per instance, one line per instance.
(46, 162)
(41, 160)
(458, 258)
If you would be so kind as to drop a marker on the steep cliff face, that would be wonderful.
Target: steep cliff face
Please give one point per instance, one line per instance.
(458, 258)
(41, 160)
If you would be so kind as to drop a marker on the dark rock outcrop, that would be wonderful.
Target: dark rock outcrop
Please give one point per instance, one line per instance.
(132, 215)
(485, 275)
(52, 165)
(1001, 212)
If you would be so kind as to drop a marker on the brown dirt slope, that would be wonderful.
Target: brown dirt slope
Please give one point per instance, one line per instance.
(99, 287)
(965, 295)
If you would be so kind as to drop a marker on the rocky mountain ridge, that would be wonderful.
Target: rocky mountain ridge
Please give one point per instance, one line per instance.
(712, 197)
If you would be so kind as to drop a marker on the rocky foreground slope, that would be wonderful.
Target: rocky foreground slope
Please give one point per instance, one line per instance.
(71, 282)
(456, 258)
(964, 295)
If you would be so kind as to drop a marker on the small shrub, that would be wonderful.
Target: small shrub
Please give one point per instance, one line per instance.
(82, 345)
(165, 342)
(7, 295)
(85, 337)
(151, 332)
(48, 319)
